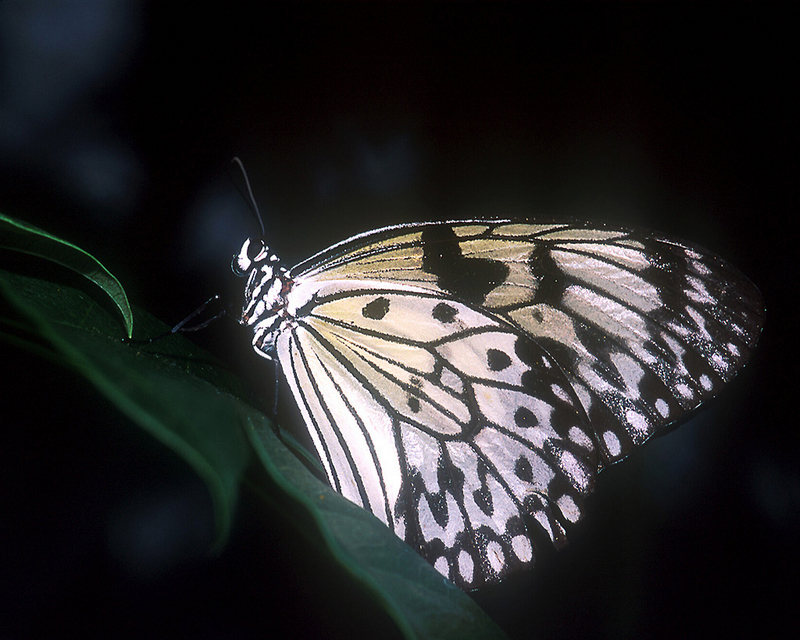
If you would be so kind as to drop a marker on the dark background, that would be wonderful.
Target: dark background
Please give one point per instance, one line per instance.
(118, 121)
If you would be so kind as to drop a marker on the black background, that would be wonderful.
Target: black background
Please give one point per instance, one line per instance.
(117, 125)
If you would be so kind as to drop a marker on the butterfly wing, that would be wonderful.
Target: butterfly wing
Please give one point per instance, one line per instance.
(645, 327)
(461, 380)
(444, 421)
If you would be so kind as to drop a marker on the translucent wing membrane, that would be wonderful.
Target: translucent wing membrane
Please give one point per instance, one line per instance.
(466, 381)
(645, 327)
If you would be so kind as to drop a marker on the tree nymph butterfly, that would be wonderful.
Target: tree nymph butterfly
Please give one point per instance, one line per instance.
(466, 381)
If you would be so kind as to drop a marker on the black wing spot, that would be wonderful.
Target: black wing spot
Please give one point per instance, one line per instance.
(413, 394)
(497, 360)
(523, 469)
(376, 309)
(444, 313)
(530, 354)
(551, 283)
(469, 279)
(483, 498)
(438, 504)
(524, 418)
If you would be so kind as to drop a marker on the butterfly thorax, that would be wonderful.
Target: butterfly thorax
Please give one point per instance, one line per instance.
(265, 296)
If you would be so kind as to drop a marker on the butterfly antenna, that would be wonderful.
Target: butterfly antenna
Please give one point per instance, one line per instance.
(250, 193)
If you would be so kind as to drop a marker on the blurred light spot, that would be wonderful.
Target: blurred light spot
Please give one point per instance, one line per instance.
(777, 492)
(54, 52)
(153, 532)
(386, 168)
(55, 60)
(105, 173)
(367, 167)
(327, 181)
(218, 223)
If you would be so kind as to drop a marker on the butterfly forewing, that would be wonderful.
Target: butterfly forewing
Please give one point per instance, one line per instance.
(465, 381)
(645, 327)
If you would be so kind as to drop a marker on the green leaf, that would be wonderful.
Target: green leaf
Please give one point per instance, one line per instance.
(179, 395)
(171, 395)
(21, 236)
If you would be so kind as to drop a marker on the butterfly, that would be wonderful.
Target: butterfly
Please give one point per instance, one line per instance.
(466, 381)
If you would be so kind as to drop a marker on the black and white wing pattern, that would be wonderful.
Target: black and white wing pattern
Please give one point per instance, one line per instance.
(466, 381)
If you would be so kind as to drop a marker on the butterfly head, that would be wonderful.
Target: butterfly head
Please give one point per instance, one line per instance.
(254, 251)
(265, 291)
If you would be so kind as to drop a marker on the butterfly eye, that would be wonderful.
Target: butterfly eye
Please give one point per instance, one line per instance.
(250, 252)
(255, 249)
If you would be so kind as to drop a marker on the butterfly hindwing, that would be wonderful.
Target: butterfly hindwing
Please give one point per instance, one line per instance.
(443, 420)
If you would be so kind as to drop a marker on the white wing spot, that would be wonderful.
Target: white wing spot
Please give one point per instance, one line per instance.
(612, 443)
(466, 566)
(699, 321)
(662, 407)
(699, 267)
(699, 293)
(694, 296)
(680, 329)
(544, 522)
(579, 437)
(637, 421)
(631, 372)
(624, 256)
(733, 349)
(643, 354)
(684, 391)
(568, 508)
(606, 313)
(583, 395)
(441, 565)
(595, 381)
(674, 345)
(706, 383)
(522, 548)
(494, 553)
(559, 393)
(574, 469)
